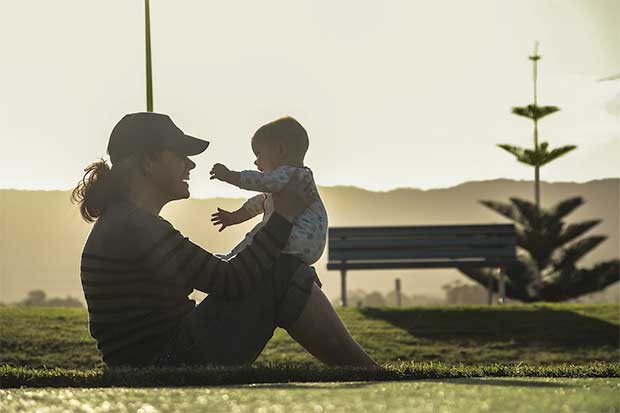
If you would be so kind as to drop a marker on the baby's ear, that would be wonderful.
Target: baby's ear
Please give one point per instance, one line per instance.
(281, 148)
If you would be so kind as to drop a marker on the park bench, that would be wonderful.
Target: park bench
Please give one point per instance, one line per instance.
(424, 246)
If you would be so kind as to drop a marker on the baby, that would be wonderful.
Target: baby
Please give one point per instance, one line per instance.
(280, 148)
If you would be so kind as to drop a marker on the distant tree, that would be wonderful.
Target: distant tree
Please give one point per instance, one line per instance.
(355, 297)
(411, 300)
(391, 299)
(374, 299)
(362, 298)
(420, 299)
(35, 298)
(38, 298)
(540, 155)
(63, 302)
(459, 293)
(546, 269)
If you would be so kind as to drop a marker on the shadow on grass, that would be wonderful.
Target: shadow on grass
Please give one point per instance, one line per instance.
(531, 327)
(467, 381)
(508, 383)
(306, 386)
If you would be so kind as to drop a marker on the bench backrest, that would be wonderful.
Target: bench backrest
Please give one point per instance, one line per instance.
(425, 246)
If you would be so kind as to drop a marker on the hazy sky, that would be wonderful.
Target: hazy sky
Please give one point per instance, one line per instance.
(392, 93)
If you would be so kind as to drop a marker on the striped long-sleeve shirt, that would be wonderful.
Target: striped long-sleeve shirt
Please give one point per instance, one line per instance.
(137, 272)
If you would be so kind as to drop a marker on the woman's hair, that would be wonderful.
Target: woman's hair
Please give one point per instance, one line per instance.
(96, 190)
(103, 185)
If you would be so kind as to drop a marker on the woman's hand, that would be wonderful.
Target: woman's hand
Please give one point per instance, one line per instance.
(297, 195)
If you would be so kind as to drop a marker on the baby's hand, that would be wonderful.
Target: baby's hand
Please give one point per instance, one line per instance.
(223, 218)
(220, 172)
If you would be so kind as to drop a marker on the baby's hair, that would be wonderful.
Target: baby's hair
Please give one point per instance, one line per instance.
(286, 131)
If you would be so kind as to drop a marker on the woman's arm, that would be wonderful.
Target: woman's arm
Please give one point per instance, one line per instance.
(169, 256)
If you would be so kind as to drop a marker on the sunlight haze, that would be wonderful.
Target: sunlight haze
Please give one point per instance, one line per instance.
(392, 93)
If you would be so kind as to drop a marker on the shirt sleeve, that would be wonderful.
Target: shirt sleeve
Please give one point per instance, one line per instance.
(254, 206)
(172, 258)
(272, 181)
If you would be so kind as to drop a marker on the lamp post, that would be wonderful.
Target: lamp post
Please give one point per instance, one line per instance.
(149, 70)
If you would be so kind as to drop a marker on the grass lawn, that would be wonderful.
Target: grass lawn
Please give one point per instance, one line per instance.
(427, 396)
(473, 335)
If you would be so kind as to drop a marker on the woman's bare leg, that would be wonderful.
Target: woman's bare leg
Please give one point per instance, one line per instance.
(320, 331)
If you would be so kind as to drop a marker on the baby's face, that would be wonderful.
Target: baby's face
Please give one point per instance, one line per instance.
(267, 158)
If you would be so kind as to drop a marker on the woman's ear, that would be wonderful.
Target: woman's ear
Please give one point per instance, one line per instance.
(281, 149)
(146, 165)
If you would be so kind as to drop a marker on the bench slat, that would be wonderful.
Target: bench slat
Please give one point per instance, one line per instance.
(443, 241)
(419, 230)
(374, 265)
(378, 254)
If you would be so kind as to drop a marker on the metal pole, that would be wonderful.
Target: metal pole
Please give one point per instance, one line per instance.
(502, 286)
(343, 287)
(398, 295)
(149, 70)
(490, 291)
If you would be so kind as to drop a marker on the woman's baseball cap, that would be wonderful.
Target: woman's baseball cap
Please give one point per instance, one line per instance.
(142, 131)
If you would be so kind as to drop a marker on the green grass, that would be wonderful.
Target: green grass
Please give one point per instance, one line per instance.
(473, 335)
(12, 377)
(521, 395)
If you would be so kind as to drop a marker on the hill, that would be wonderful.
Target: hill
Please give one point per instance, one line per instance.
(42, 234)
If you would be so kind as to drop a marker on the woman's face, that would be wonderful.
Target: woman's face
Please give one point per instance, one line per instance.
(170, 173)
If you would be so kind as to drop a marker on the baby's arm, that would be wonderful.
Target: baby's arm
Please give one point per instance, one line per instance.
(272, 181)
(222, 173)
(251, 208)
(254, 206)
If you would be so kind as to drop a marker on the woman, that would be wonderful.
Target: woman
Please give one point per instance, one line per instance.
(137, 270)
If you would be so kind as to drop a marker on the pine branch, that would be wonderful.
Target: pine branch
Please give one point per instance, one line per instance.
(556, 153)
(518, 152)
(573, 231)
(528, 210)
(572, 283)
(534, 112)
(505, 210)
(578, 250)
(566, 206)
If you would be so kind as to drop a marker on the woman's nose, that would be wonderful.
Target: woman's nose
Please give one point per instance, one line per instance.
(190, 164)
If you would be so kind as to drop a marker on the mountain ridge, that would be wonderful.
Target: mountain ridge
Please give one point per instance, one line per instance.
(41, 232)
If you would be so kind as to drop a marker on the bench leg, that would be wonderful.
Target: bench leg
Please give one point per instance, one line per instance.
(343, 287)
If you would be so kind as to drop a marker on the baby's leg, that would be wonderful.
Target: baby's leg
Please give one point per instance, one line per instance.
(306, 242)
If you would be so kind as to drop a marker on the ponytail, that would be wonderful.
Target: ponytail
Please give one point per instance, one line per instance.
(95, 191)
(102, 185)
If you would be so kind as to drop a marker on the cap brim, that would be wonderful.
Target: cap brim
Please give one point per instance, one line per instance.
(192, 146)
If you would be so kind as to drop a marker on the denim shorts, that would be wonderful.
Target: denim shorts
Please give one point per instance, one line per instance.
(223, 331)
